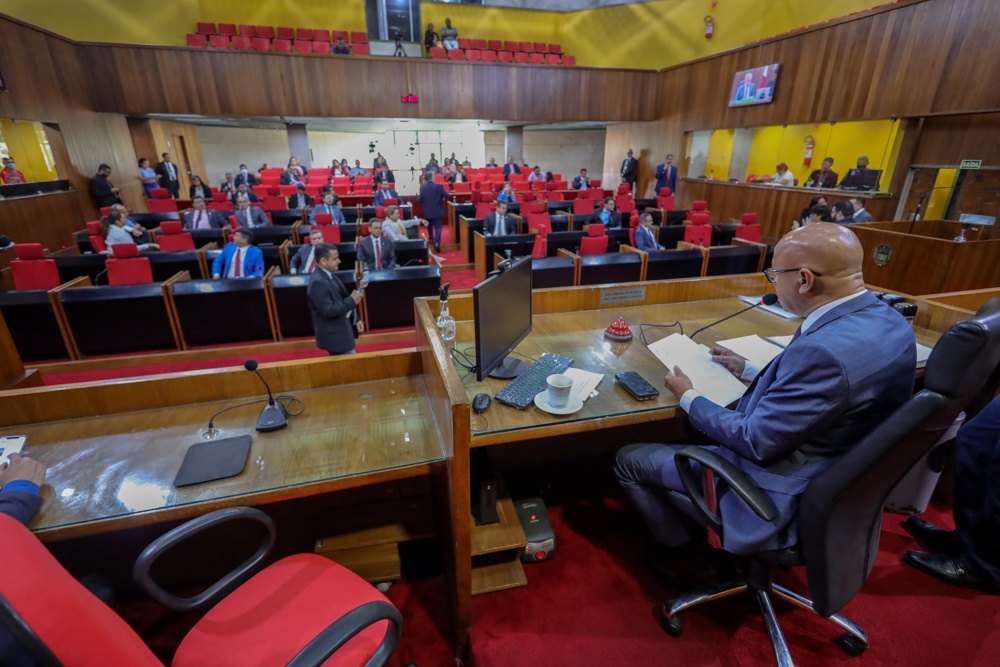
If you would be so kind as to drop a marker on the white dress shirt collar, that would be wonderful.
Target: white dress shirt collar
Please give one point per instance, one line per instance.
(814, 316)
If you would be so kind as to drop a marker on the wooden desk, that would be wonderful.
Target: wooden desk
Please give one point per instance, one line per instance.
(113, 449)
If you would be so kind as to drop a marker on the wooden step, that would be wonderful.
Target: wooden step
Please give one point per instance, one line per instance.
(497, 572)
(374, 564)
(380, 523)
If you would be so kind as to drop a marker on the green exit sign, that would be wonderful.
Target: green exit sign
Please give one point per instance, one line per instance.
(970, 164)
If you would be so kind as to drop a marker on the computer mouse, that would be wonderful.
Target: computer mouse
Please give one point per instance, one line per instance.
(481, 403)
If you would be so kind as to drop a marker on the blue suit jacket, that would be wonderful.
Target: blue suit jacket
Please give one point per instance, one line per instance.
(335, 211)
(382, 195)
(644, 241)
(819, 397)
(433, 197)
(666, 177)
(254, 264)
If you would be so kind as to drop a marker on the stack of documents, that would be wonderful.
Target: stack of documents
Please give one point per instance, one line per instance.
(774, 309)
(752, 348)
(584, 383)
(711, 379)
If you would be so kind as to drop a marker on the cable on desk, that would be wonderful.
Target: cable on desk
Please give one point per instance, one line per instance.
(642, 329)
(531, 359)
(288, 404)
(486, 427)
(462, 359)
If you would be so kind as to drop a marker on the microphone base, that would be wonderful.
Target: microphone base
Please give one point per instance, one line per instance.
(272, 418)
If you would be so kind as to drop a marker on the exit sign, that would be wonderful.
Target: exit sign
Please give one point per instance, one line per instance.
(970, 164)
(413, 99)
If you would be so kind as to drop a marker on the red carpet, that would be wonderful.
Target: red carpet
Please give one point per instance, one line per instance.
(592, 605)
(461, 279)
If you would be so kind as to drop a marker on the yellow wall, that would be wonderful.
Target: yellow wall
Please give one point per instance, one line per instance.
(720, 149)
(159, 22)
(23, 144)
(523, 25)
(939, 198)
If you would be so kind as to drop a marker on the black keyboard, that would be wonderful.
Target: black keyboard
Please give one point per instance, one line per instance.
(522, 391)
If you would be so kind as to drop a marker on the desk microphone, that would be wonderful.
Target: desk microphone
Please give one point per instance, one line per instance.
(273, 416)
(766, 300)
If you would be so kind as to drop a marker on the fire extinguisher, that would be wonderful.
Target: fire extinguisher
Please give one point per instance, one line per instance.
(709, 27)
(810, 145)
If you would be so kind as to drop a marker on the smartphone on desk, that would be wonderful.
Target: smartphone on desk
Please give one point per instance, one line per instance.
(636, 385)
(11, 444)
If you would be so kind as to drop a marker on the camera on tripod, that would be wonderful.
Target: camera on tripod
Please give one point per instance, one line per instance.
(399, 52)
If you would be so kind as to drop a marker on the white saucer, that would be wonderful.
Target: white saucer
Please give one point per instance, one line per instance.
(542, 403)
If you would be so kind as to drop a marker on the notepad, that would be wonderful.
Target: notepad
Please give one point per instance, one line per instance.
(752, 348)
(711, 379)
(584, 383)
(774, 309)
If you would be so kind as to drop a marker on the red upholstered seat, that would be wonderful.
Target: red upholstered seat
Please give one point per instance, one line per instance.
(699, 205)
(286, 33)
(698, 218)
(540, 47)
(666, 203)
(197, 40)
(125, 250)
(509, 45)
(171, 227)
(285, 191)
(303, 46)
(136, 271)
(555, 48)
(307, 34)
(537, 59)
(522, 57)
(247, 30)
(624, 203)
(749, 232)
(275, 203)
(241, 43)
(160, 193)
(583, 206)
(97, 243)
(31, 270)
(540, 249)
(464, 43)
(624, 188)
(505, 57)
(700, 235)
(483, 208)
(749, 218)
(462, 186)
(321, 35)
(631, 236)
(206, 28)
(553, 59)
(390, 201)
(324, 218)
(162, 206)
(456, 54)
(540, 222)
(360, 49)
(569, 60)
(665, 192)
(364, 229)
(359, 37)
(94, 226)
(282, 45)
(488, 197)
(439, 178)
(437, 53)
(176, 242)
(524, 47)
(331, 233)
(593, 245)
(495, 45)
(596, 183)
(219, 41)
(489, 56)
(534, 207)
(595, 229)
(556, 196)
(473, 54)
(479, 44)
(227, 29)
(334, 34)
(265, 31)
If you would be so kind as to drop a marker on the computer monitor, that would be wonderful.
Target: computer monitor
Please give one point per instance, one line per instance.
(861, 179)
(502, 307)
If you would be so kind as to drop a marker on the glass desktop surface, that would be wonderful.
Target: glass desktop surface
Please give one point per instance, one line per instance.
(117, 467)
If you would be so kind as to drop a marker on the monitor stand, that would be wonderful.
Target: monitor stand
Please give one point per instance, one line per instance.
(509, 368)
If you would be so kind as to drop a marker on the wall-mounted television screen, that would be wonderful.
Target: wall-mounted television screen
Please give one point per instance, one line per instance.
(754, 86)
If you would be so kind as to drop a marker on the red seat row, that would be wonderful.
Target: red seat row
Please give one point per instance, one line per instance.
(268, 32)
(241, 43)
(490, 56)
(506, 45)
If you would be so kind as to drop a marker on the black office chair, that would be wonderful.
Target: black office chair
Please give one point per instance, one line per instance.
(840, 515)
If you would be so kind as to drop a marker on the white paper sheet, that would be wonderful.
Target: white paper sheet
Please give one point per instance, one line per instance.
(774, 309)
(584, 382)
(783, 341)
(712, 380)
(922, 353)
(754, 348)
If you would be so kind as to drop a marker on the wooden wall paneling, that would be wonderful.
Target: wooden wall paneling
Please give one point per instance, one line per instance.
(913, 257)
(47, 219)
(977, 265)
(948, 140)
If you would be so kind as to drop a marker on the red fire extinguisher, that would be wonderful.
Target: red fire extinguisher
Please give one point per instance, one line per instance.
(810, 145)
(709, 27)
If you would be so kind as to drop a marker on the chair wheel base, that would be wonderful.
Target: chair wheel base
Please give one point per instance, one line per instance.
(850, 644)
(672, 625)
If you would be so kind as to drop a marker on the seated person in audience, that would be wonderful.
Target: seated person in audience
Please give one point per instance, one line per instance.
(492, 163)
(249, 216)
(329, 205)
(229, 186)
(199, 188)
(459, 176)
(340, 48)
(300, 199)
(550, 177)
(820, 214)
(824, 177)
(805, 216)
(860, 214)
(449, 169)
(239, 259)
(607, 216)
(148, 177)
(781, 176)
(394, 227)
(243, 190)
(645, 234)
(11, 174)
(499, 223)
(290, 176)
(114, 232)
(380, 162)
(536, 175)
(849, 366)
(105, 194)
(246, 177)
(431, 39)
(843, 212)
(433, 166)
(507, 194)
(304, 260)
(449, 35)
(131, 226)
(510, 168)
(295, 164)
(968, 556)
(334, 171)
(383, 173)
(385, 191)
(345, 169)
(581, 182)
(357, 170)
(375, 251)
(200, 217)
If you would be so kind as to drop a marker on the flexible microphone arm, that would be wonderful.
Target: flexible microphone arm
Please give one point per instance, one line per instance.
(766, 300)
(251, 365)
(273, 416)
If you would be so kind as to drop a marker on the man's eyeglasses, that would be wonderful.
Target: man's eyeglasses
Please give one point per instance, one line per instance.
(772, 274)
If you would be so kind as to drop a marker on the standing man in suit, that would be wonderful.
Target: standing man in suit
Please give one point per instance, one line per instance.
(167, 171)
(300, 199)
(847, 368)
(334, 310)
(105, 193)
(239, 259)
(645, 237)
(249, 216)
(328, 206)
(384, 192)
(860, 214)
(202, 218)
(666, 175)
(375, 251)
(510, 168)
(246, 177)
(630, 169)
(581, 182)
(304, 260)
(433, 196)
(499, 223)
(607, 216)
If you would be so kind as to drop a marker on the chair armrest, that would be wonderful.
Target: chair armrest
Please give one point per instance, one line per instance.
(230, 582)
(338, 633)
(737, 480)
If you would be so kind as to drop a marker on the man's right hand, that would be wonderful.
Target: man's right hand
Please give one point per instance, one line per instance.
(357, 296)
(733, 362)
(22, 467)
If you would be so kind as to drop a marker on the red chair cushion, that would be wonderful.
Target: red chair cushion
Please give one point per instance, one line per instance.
(593, 245)
(699, 218)
(749, 218)
(331, 233)
(97, 243)
(260, 44)
(162, 206)
(583, 206)
(666, 203)
(171, 227)
(699, 205)
(595, 229)
(160, 193)
(665, 192)
(34, 273)
(360, 49)
(483, 208)
(359, 37)
(129, 271)
(324, 219)
(29, 251)
(749, 233)
(176, 242)
(125, 250)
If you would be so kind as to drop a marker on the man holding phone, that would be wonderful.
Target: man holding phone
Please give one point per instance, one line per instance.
(334, 310)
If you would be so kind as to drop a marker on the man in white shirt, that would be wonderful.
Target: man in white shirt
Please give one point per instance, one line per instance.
(781, 176)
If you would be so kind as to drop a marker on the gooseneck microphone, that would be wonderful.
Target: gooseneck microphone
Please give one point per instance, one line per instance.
(766, 300)
(273, 416)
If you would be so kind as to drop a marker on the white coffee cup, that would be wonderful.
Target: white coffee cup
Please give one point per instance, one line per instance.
(560, 387)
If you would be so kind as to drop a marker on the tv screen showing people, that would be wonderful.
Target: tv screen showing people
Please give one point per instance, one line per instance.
(754, 86)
